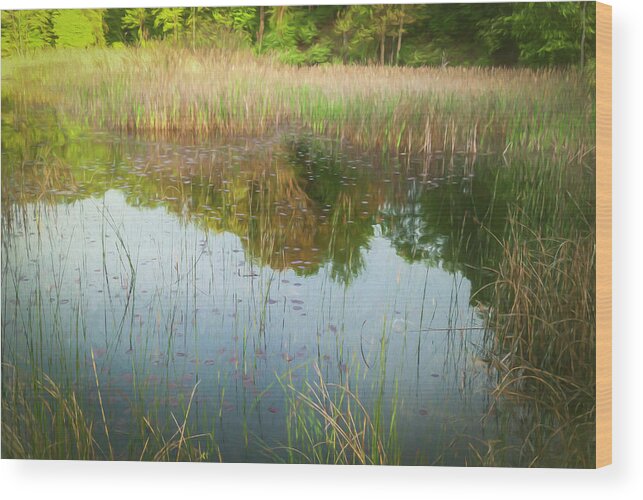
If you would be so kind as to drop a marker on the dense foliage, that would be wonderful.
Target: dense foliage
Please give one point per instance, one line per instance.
(528, 34)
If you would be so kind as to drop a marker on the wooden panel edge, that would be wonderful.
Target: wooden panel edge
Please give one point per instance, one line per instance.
(603, 234)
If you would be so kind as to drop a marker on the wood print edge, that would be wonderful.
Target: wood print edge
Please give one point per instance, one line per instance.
(603, 234)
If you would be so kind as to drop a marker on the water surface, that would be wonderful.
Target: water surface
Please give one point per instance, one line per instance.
(222, 274)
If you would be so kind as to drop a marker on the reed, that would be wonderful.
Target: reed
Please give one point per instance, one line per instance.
(44, 421)
(328, 423)
(542, 317)
(392, 109)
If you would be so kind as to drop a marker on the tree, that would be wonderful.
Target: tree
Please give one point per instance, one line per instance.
(193, 17)
(551, 33)
(236, 19)
(535, 34)
(385, 25)
(115, 35)
(404, 16)
(343, 26)
(78, 28)
(25, 30)
(369, 25)
(356, 28)
(138, 19)
(262, 25)
(170, 19)
(294, 37)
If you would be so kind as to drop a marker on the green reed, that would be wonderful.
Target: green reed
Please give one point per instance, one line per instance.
(212, 92)
(51, 422)
(542, 310)
(328, 423)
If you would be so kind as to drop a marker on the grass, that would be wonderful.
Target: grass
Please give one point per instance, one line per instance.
(44, 422)
(327, 423)
(212, 92)
(542, 317)
(50, 422)
(545, 338)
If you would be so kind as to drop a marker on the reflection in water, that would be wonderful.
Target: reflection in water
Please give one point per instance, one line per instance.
(297, 202)
(238, 266)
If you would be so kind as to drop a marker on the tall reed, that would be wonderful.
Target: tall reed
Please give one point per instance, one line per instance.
(543, 335)
(212, 92)
(327, 423)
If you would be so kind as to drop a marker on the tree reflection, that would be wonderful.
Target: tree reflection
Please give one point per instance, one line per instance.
(295, 201)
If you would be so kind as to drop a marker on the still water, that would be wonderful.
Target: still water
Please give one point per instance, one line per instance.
(220, 276)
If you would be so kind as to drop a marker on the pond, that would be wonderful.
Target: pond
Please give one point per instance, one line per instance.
(218, 288)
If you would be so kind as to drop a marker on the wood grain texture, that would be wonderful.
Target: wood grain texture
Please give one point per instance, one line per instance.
(603, 235)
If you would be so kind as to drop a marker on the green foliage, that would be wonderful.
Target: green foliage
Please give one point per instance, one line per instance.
(78, 28)
(25, 30)
(548, 33)
(501, 34)
(139, 21)
(355, 26)
(295, 38)
(170, 20)
(237, 19)
(115, 33)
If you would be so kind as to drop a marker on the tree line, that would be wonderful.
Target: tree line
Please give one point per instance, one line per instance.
(506, 34)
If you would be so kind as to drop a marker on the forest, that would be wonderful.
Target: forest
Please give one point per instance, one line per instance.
(500, 34)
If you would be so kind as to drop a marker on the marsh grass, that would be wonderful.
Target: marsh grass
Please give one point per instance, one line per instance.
(48, 422)
(44, 421)
(328, 423)
(542, 339)
(213, 92)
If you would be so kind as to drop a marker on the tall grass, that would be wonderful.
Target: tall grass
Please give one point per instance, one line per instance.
(543, 336)
(544, 340)
(411, 110)
(46, 421)
(328, 423)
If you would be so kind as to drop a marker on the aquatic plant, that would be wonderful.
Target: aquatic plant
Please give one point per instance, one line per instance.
(400, 109)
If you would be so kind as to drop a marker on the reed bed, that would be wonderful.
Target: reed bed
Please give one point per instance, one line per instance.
(44, 422)
(543, 311)
(327, 423)
(544, 342)
(396, 109)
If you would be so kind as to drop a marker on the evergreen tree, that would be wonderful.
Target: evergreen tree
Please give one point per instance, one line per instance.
(533, 34)
(236, 19)
(551, 33)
